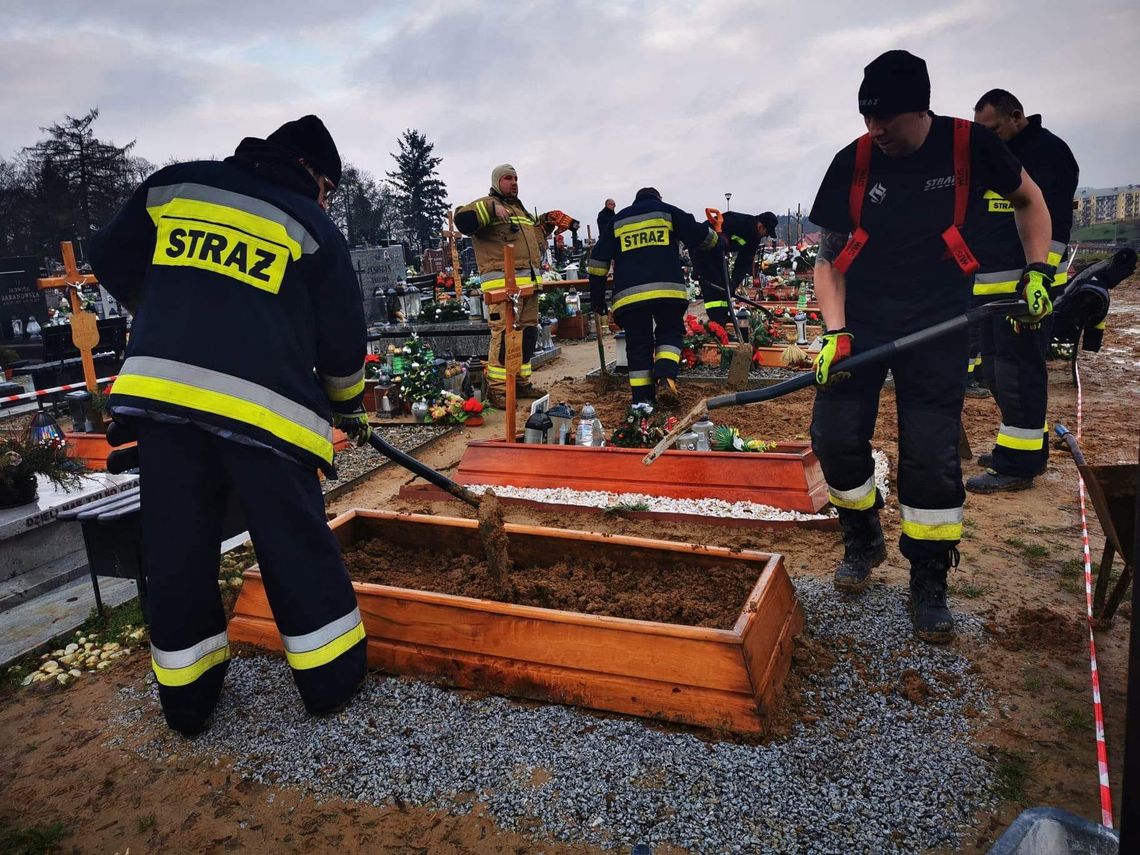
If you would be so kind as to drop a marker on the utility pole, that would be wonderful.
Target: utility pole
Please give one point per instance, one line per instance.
(728, 201)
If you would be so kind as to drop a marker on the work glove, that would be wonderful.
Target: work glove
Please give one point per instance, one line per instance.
(836, 346)
(1034, 287)
(560, 220)
(355, 424)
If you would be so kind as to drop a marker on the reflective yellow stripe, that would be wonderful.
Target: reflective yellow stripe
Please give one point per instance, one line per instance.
(648, 295)
(596, 269)
(630, 226)
(716, 304)
(501, 282)
(220, 404)
(496, 372)
(995, 288)
(525, 370)
(858, 499)
(347, 393)
(1101, 325)
(738, 239)
(931, 524)
(665, 354)
(521, 221)
(182, 667)
(640, 381)
(326, 653)
(1020, 439)
(343, 388)
(481, 212)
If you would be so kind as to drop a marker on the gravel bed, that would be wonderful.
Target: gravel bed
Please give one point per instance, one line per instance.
(873, 771)
(354, 462)
(667, 505)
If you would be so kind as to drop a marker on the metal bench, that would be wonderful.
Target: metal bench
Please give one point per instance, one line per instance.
(112, 531)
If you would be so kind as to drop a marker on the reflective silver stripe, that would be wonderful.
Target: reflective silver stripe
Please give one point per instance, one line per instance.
(633, 290)
(710, 240)
(320, 637)
(641, 218)
(997, 277)
(346, 382)
(1058, 247)
(935, 516)
(173, 659)
(1022, 433)
(667, 348)
(158, 196)
(855, 495)
(227, 384)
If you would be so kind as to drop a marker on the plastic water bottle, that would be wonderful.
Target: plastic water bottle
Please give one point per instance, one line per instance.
(586, 420)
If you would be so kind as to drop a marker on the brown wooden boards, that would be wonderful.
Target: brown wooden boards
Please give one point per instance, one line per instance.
(720, 678)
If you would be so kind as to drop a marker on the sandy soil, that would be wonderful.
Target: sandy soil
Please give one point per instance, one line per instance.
(1017, 573)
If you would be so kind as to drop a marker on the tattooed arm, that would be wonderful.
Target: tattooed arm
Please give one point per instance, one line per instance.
(830, 284)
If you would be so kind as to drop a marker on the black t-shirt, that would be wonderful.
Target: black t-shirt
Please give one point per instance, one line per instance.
(904, 279)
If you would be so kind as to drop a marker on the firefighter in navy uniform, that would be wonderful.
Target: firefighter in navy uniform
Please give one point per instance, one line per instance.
(743, 233)
(649, 296)
(248, 339)
(1013, 354)
(902, 192)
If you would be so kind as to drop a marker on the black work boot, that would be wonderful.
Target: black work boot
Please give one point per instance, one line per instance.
(928, 610)
(863, 549)
(986, 461)
(992, 481)
(666, 393)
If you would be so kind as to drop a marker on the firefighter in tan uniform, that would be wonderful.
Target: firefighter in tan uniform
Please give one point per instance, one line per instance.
(492, 222)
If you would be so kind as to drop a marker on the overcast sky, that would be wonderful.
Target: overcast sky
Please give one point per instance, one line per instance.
(587, 100)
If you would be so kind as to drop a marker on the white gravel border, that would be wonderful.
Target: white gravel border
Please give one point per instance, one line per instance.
(666, 505)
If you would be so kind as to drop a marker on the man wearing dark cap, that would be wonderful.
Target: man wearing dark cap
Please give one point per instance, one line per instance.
(1012, 356)
(649, 296)
(892, 261)
(248, 343)
(742, 234)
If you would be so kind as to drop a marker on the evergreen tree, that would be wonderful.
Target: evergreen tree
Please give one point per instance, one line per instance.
(419, 195)
(360, 207)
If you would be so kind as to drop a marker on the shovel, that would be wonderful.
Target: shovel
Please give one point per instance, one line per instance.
(1014, 308)
(491, 531)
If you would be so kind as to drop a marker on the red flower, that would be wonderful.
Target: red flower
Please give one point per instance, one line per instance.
(813, 316)
(371, 358)
(690, 356)
(472, 406)
(670, 423)
(717, 330)
(779, 310)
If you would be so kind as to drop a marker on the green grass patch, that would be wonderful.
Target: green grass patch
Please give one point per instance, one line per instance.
(626, 508)
(1016, 542)
(145, 823)
(1036, 550)
(1031, 681)
(1010, 777)
(1074, 720)
(33, 840)
(968, 590)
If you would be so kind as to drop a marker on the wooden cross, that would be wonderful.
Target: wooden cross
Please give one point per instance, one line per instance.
(510, 296)
(84, 327)
(456, 267)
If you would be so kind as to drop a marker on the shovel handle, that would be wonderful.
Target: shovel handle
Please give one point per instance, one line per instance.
(416, 467)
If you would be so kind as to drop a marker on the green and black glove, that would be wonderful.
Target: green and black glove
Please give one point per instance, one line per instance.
(836, 346)
(1036, 280)
(355, 424)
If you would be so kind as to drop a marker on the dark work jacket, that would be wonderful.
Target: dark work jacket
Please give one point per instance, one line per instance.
(643, 242)
(249, 320)
(739, 231)
(995, 241)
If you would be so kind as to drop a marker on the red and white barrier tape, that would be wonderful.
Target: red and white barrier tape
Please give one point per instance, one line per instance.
(1098, 707)
(27, 396)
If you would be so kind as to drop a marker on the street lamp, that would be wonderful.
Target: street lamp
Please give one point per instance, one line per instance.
(728, 201)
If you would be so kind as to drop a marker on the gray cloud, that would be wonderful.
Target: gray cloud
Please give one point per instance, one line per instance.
(588, 100)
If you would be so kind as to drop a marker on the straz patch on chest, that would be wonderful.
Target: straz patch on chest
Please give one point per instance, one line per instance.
(938, 183)
(655, 232)
(224, 240)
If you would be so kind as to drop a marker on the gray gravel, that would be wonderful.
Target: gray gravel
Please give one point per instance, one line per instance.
(874, 773)
(354, 462)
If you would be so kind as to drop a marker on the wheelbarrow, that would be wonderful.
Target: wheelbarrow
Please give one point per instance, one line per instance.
(1112, 489)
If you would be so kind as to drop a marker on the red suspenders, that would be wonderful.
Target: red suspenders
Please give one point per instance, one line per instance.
(952, 237)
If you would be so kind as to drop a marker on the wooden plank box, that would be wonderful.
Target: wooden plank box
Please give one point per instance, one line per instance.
(788, 477)
(726, 679)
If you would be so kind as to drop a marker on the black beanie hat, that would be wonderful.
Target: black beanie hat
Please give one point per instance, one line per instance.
(647, 192)
(895, 82)
(308, 137)
(770, 221)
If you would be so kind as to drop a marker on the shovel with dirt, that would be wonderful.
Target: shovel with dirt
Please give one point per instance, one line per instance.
(1013, 308)
(491, 530)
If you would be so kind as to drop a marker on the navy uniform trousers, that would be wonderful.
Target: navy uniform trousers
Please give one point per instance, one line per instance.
(185, 473)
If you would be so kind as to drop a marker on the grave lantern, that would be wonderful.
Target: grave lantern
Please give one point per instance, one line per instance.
(703, 429)
(545, 336)
(562, 417)
(537, 428)
(573, 302)
(622, 361)
(801, 329)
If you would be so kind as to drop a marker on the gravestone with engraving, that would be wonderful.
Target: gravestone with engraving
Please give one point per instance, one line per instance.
(20, 300)
(377, 268)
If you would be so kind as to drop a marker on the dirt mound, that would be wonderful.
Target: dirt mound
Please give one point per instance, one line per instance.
(669, 594)
(913, 687)
(1041, 629)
